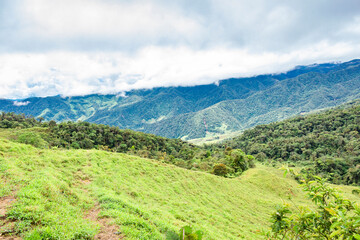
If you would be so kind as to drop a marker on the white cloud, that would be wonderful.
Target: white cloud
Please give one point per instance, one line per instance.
(352, 28)
(19, 104)
(127, 26)
(90, 20)
(69, 73)
(77, 47)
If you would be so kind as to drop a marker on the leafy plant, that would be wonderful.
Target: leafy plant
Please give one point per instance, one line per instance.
(333, 218)
(239, 161)
(187, 233)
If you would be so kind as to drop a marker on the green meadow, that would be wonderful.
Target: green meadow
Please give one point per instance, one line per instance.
(54, 190)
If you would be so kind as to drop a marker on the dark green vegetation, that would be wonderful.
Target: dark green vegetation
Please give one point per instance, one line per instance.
(187, 112)
(325, 144)
(84, 135)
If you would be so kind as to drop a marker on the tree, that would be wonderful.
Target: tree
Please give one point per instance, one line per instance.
(40, 119)
(52, 123)
(239, 161)
(220, 169)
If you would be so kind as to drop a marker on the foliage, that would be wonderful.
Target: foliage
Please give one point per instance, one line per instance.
(187, 233)
(236, 162)
(239, 161)
(333, 218)
(12, 120)
(220, 170)
(325, 144)
(32, 138)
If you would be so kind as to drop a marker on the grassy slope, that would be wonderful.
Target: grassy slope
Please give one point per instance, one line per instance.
(146, 199)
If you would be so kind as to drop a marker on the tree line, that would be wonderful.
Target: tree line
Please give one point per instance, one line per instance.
(84, 135)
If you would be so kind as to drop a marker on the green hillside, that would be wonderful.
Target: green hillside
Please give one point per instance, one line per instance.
(326, 143)
(49, 189)
(76, 194)
(211, 110)
(84, 135)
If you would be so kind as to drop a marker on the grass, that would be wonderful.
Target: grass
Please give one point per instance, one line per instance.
(212, 138)
(146, 199)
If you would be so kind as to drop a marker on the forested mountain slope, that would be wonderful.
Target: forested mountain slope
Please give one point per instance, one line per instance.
(194, 112)
(326, 143)
(301, 94)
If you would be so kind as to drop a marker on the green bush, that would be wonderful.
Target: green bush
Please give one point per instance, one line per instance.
(220, 170)
(333, 218)
(239, 161)
(32, 138)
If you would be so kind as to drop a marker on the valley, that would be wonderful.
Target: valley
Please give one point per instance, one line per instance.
(231, 106)
(58, 182)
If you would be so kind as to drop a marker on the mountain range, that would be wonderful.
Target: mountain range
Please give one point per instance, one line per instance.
(229, 106)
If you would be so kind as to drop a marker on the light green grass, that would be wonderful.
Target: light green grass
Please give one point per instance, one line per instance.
(213, 138)
(146, 199)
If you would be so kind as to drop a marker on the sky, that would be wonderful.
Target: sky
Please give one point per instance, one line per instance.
(79, 47)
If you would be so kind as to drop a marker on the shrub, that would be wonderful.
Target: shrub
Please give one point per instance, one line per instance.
(220, 169)
(32, 139)
(333, 218)
(239, 161)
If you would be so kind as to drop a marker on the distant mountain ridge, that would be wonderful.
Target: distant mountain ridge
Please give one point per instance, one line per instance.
(194, 112)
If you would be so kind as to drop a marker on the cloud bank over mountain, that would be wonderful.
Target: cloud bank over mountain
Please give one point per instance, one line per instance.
(80, 47)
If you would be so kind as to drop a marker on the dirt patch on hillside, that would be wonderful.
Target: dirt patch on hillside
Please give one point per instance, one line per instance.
(8, 234)
(5, 203)
(85, 181)
(107, 231)
(7, 225)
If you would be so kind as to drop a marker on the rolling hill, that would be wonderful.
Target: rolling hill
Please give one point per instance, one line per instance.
(49, 189)
(82, 194)
(229, 106)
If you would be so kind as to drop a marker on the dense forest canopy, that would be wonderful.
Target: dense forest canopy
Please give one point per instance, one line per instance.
(327, 143)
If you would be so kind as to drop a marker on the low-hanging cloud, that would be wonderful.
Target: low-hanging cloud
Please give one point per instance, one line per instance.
(19, 104)
(69, 73)
(78, 47)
